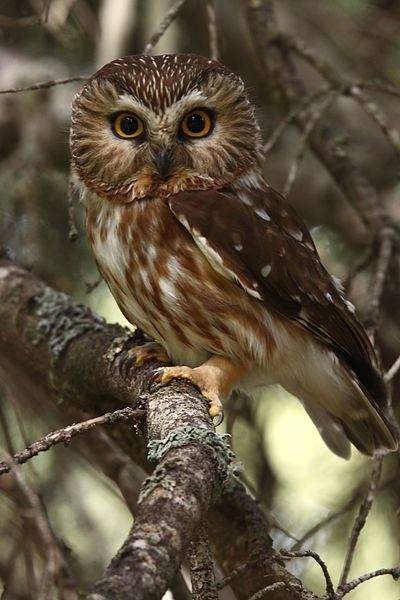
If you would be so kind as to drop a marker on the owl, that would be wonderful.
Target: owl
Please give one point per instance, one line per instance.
(207, 259)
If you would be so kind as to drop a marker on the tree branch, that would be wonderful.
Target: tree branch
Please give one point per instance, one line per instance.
(55, 347)
(273, 49)
(64, 435)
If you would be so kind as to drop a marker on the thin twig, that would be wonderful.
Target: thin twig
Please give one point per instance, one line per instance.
(291, 115)
(379, 86)
(309, 553)
(226, 580)
(57, 571)
(90, 287)
(278, 585)
(72, 228)
(43, 85)
(318, 526)
(165, 23)
(315, 116)
(19, 21)
(386, 247)
(373, 110)
(348, 587)
(46, 10)
(352, 89)
(212, 29)
(359, 266)
(363, 513)
(64, 435)
(390, 373)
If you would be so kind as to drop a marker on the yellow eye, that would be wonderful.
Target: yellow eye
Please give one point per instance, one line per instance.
(126, 125)
(196, 124)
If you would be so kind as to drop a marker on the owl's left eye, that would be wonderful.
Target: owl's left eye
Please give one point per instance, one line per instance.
(127, 125)
(196, 124)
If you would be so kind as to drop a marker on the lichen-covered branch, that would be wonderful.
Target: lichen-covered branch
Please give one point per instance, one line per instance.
(53, 345)
(193, 463)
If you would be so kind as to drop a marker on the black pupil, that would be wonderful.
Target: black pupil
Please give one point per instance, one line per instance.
(129, 125)
(195, 123)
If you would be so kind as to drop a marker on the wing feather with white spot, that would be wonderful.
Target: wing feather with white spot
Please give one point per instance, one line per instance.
(256, 239)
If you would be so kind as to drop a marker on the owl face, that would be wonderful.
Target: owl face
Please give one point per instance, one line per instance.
(145, 125)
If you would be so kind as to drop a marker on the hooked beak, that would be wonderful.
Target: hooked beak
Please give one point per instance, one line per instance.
(163, 160)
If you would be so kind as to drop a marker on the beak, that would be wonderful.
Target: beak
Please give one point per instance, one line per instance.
(163, 160)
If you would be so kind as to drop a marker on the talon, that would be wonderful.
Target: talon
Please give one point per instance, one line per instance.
(157, 374)
(219, 418)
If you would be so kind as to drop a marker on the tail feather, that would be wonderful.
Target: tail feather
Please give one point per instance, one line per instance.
(352, 414)
(369, 429)
(330, 429)
(370, 433)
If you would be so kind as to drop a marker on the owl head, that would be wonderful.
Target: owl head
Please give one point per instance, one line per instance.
(158, 125)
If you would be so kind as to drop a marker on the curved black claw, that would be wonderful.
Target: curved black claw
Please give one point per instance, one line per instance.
(218, 419)
(156, 375)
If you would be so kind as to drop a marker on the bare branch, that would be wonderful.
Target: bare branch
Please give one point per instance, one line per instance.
(308, 553)
(352, 89)
(348, 587)
(19, 21)
(165, 23)
(72, 228)
(64, 435)
(43, 85)
(226, 580)
(273, 47)
(278, 585)
(64, 350)
(57, 571)
(392, 372)
(386, 249)
(363, 513)
(292, 114)
(90, 287)
(315, 115)
(326, 521)
(377, 115)
(212, 29)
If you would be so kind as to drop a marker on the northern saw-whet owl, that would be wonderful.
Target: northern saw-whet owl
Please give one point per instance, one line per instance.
(207, 259)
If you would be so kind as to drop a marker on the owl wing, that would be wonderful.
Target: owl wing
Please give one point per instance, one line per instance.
(256, 239)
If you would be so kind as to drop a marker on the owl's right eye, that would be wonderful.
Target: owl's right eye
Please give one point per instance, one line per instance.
(127, 125)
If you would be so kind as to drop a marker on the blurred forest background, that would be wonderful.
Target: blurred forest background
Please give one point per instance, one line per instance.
(298, 482)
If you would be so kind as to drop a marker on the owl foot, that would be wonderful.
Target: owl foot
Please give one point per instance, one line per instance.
(136, 357)
(214, 378)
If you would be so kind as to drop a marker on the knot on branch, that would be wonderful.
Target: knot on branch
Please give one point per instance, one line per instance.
(61, 321)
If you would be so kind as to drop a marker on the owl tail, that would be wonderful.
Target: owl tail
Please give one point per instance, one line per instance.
(357, 418)
(330, 429)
